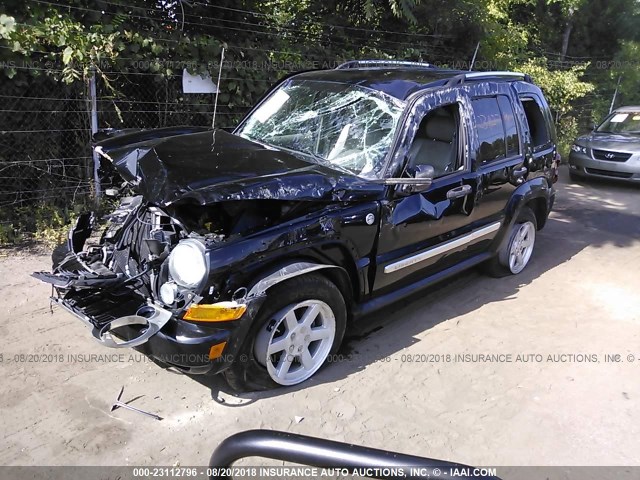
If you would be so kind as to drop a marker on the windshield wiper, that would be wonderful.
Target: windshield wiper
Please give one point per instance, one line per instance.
(324, 161)
(316, 157)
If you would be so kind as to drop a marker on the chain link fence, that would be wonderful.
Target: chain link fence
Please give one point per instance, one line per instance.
(45, 155)
(46, 160)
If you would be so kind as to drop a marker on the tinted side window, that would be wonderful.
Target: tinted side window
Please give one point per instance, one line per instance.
(490, 129)
(510, 127)
(437, 141)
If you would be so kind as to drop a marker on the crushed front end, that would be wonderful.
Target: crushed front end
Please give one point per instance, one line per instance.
(165, 274)
(142, 282)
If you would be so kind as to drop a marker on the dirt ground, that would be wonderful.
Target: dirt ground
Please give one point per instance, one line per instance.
(395, 388)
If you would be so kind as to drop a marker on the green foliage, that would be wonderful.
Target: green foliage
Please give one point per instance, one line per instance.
(78, 46)
(506, 41)
(7, 25)
(62, 37)
(52, 225)
(9, 235)
(404, 9)
(562, 88)
(47, 224)
(625, 68)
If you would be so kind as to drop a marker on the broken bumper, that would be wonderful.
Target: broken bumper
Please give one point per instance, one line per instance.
(121, 320)
(188, 346)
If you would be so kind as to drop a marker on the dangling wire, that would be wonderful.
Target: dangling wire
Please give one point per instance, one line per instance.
(215, 105)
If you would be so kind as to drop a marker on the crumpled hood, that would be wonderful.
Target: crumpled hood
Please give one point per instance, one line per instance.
(618, 142)
(206, 166)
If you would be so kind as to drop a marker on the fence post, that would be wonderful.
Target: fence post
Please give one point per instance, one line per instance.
(94, 129)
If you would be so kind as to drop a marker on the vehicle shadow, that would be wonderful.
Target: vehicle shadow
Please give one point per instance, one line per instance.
(611, 185)
(582, 217)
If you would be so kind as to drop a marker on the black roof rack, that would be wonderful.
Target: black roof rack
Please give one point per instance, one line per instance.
(461, 78)
(382, 64)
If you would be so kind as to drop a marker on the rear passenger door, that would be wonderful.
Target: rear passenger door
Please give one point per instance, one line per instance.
(500, 160)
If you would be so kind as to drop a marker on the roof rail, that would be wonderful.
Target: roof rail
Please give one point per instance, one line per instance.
(381, 64)
(459, 79)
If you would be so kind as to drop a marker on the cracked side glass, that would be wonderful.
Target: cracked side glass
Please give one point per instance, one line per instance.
(344, 126)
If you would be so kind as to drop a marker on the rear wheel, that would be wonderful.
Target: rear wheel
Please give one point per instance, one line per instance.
(514, 255)
(301, 323)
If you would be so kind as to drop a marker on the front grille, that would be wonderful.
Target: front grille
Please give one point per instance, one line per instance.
(102, 307)
(132, 253)
(611, 156)
(608, 173)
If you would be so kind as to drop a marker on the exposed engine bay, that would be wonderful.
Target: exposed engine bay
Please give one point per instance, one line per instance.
(226, 219)
(131, 252)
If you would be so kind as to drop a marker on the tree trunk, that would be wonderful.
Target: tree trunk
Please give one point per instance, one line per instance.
(565, 38)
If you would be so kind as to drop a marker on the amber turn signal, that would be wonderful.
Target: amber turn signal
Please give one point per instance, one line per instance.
(216, 312)
(216, 350)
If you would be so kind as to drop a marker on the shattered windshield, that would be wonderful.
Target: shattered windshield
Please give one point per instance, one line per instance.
(346, 126)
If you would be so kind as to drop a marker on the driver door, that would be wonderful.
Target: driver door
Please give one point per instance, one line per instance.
(425, 232)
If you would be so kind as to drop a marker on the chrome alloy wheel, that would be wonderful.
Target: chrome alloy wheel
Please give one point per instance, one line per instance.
(521, 247)
(294, 344)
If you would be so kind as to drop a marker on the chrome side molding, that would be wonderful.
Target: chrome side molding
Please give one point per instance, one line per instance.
(442, 248)
(285, 273)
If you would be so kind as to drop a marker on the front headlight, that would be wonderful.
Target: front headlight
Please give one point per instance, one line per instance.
(188, 264)
(579, 149)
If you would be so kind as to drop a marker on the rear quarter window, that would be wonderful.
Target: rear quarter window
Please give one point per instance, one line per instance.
(537, 125)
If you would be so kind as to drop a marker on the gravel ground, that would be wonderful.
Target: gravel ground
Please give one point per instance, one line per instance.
(404, 382)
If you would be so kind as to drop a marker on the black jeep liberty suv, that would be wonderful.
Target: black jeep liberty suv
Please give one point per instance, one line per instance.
(341, 192)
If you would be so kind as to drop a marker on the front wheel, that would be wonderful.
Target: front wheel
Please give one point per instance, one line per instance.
(301, 323)
(514, 255)
(573, 176)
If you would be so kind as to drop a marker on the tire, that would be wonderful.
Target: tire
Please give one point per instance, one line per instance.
(574, 177)
(520, 244)
(295, 356)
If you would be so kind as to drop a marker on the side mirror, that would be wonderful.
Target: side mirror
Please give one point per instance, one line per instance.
(425, 172)
(421, 178)
(593, 127)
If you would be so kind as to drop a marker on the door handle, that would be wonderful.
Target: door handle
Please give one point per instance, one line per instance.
(458, 192)
(519, 172)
